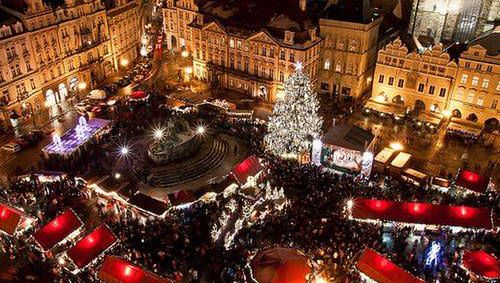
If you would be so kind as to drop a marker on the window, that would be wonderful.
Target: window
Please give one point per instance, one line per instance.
(327, 64)
(421, 87)
(256, 70)
(282, 76)
(475, 81)
(381, 79)
(467, 64)
(230, 82)
(20, 89)
(498, 84)
(28, 66)
(480, 100)
(401, 82)
(231, 63)
(338, 67)
(1, 76)
(271, 52)
(431, 89)
(442, 92)
(292, 57)
(470, 97)
(264, 51)
(391, 80)
(282, 55)
(489, 69)
(485, 84)
(238, 44)
(271, 74)
(247, 66)
(478, 67)
(16, 71)
(239, 65)
(325, 86)
(32, 82)
(11, 52)
(231, 43)
(463, 80)
(6, 95)
(494, 104)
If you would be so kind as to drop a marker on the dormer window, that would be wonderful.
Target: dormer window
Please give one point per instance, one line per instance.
(289, 37)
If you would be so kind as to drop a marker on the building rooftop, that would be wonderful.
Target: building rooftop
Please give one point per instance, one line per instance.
(489, 40)
(350, 137)
(357, 11)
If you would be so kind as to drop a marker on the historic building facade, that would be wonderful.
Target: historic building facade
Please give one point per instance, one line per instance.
(422, 82)
(452, 20)
(476, 92)
(63, 51)
(348, 54)
(177, 15)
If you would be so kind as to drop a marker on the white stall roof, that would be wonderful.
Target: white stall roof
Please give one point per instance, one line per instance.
(401, 160)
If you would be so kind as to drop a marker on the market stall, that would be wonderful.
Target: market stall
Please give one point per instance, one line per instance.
(67, 225)
(240, 115)
(414, 176)
(118, 270)
(180, 197)
(343, 147)
(471, 181)
(421, 213)
(483, 266)
(247, 171)
(400, 163)
(464, 129)
(382, 109)
(382, 159)
(13, 221)
(431, 121)
(376, 268)
(139, 95)
(90, 248)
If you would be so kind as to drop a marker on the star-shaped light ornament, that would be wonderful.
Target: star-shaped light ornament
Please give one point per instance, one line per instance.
(298, 66)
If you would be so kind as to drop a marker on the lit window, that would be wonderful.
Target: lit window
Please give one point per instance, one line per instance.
(401, 83)
(494, 104)
(431, 89)
(381, 79)
(391, 80)
(480, 100)
(485, 84)
(475, 81)
(464, 79)
(421, 87)
(338, 67)
(327, 64)
(231, 43)
(442, 92)
(470, 97)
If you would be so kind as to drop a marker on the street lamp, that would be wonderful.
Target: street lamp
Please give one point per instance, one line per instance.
(447, 113)
(396, 146)
(124, 63)
(124, 151)
(184, 53)
(81, 87)
(200, 130)
(158, 133)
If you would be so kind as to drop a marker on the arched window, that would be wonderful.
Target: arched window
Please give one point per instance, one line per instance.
(352, 46)
(338, 67)
(327, 64)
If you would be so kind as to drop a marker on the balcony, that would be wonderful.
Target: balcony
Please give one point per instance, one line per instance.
(238, 73)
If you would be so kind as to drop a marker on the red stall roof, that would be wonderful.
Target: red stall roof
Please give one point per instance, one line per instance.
(57, 230)
(117, 270)
(472, 181)
(9, 219)
(248, 167)
(422, 213)
(90, 247)
(138, 94)
(382, 270)
(482, 264)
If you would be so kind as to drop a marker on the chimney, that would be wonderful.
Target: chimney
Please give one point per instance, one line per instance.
(303, 5)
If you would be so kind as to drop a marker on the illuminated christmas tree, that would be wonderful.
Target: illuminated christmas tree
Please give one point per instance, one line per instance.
(295, 121)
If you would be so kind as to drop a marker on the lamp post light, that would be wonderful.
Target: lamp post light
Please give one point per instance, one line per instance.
(81, 87)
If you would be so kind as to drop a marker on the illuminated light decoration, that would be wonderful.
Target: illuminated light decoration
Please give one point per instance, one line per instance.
(200, 130)
(159, 133)
(295, 122)
(280, 264)
(472, 182)
(250, 167)
(366, 164)
(124, 150)
(64, 227)
(374, 267)
(317, 147)
(73, 139)
(373, 210)
(350, 204)
(432, 256)
(396, 146)
(481, 264)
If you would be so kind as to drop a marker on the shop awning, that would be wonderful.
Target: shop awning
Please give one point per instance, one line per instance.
(281, 265)
(469, 128)
(247, 168)
(10, 218)
(91, 246)
(385, 108)
(384, 155)
(472, 181)
(434, 118)
(148, 204)
(421, 213)
(382, 270)
(481, 264)
(57, 230)
(117, 270)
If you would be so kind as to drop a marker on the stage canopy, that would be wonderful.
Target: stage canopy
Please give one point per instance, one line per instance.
(421, 213)
(382, 270)
(472, 181)
(90, 247)
(349, 137)
(10, 219)
(281, 265)
(482, 264)
(57, 230)
(117, 270)
(247, 168)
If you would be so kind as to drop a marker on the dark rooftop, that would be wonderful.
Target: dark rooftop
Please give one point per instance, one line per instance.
(489, 40)
(148, 203)
(350, 137)
(7, 19)
(357, 11)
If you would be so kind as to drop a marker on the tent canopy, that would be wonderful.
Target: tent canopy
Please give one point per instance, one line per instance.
(472, 181)
(382, 270)
(57, 230)
(247, 168)
(386, 108)
(482, 264)
(91, 246)
(350, 137)
(422, 213)
(281, 265)
(9, 219)
(180, 197)
(138, 94)
(148, 204)
(117, 270)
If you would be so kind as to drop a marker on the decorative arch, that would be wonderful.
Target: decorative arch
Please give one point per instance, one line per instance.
(456, 114)
(491, 125)
(472, 117)
(419, 105)
(327, 64)
(435, 108)
(398, 99)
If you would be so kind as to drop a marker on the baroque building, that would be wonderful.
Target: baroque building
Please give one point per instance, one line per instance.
(452, 20)
(422, 82)
(233, 49)
(77, 43)
(476, 93)
(349, 49)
